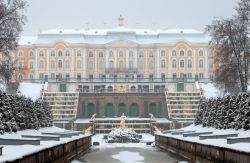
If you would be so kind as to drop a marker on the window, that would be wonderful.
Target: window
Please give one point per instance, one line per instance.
(31, 76)
(78, 64)
(200, 63)
(174, 63)
(67, 76)
(101, 65)
(121, 64)
(90, 54)
(31, 54)
(120, 53)
(151, 64)
(201, 53)
(163, 64)
(31, 64)
(163, 53)
(131, 54)
(52, 53)
(79, 53)
(111, 54)
(182, 75)
(41, 64)
(201, 75)
(189, 75)
(67, 64)
(131, 64)
(174, 53)
(140, 64)
(111, 64)
(189, 53)
(91, 65)
(182, 53)
(20, 54)
(41, 53)
(52, 75)
(60, 64)
(174, 75)
(151, 54)
(79, 76)
(140, 54)
(182, 63)
(68, 53)
(59, 53)
(189, 63)
(101, 54)
(20, 64)
(52, 64)
(41, 76)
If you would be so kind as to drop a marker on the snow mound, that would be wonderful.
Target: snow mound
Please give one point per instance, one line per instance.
(31, 90)
(210, 90)
(127, 156)
(123, 136)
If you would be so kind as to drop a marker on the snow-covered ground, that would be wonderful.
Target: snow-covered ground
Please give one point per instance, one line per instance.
(31, 90)
(210, 90)
(215, 142)
(13, 152)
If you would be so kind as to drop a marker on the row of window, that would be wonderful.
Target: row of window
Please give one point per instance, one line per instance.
(189, 63)
(111, 53)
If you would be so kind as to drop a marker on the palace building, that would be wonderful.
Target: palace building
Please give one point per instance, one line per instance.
(119, 70)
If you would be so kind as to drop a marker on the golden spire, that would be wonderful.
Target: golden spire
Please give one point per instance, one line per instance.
(121, 21)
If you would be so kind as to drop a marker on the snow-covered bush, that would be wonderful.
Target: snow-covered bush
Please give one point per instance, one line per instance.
(224, 113)
(19, 113)
(126, 135)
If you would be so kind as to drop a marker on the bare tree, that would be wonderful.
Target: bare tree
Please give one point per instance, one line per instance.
(12, 19)
(230, 38)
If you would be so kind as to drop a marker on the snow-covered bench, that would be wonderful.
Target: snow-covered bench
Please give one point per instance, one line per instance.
(181, 132)
(219, 136)
(170, 131)
(238, 140)
(43, 137)
(196, 134)
(62, 135)
(21, 141)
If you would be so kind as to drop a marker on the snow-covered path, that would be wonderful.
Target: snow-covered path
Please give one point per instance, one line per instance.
(126, 152)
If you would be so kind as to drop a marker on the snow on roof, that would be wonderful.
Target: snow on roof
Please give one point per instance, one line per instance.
(27, 40)
(31, 90)
(210, 90)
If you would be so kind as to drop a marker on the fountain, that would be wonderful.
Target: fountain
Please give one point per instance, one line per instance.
(123, 134)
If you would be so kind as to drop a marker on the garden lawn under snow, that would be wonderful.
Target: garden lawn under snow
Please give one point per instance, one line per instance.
(13, 152)
(244, 147)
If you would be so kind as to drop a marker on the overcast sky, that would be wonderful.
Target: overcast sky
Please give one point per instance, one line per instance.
(163, 14)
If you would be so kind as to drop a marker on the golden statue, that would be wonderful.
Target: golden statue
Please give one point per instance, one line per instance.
(122, 123)
(93, 117)
(157, 131)
(152, 117)
(88, 131)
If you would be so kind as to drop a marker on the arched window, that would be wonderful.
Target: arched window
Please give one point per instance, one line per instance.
(41, 53)
(189, 63)
(52, 53)
(201, 63)
(31, 64)
(151, 54)
(163, 64)
(174, 53)
(20, 54)
(101, 65)
(41, 64)
(120, 64)
(201, 53)
(60, 64)
(182, 53)
(182, 63)
(111, 54)
(59, 53)
(79, 53)
(189, 53)
(140, 54)
(174, 63)
(67, 64)
(52, 64)
(79, 64)
(131, 64)
(151, 64)
(163, 53)
(101, 54)
(120, 53)
(91, 54)
(111, 64)
(31, 54)
(140, 64)
(68, 53)
(91, 65)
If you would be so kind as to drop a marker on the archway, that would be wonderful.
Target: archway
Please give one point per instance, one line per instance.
(133, 89)
(153, 109)
(109, 110)
(121, 109)
(133, 112)
(90, 110)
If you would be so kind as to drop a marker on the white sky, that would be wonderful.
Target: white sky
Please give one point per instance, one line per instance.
(163, 14)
